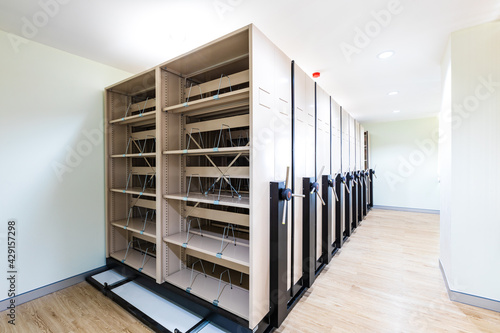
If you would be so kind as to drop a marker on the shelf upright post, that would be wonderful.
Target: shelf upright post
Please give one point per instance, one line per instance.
(278, 256)
(327, 218)
(338, 188)
(308, 233)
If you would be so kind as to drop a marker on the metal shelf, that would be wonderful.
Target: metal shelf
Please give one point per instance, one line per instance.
(230, 100)
(136, 225)
(234, 300)
(138, 119)
(149, 192)
(213, 199)
(135, 259)
(245, 150)
(134, 155)
(234, 253)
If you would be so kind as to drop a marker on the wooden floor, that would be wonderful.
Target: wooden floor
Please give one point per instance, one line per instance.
(386, 279)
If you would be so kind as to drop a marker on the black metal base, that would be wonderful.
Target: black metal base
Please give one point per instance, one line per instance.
(204, 309)
(144, 318)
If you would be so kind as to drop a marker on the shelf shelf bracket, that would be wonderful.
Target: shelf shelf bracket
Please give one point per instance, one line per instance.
(185, 244)
(189, 94)
(226, 230)
(219, 291)
(191, 281)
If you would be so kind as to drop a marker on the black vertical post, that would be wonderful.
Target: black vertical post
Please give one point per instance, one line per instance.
(354, 196)
(328, 219)
(361, 186)
(338, 187)
(370, 183)
(347, 205)
(308, 233)
(278, 256)
(365, 193)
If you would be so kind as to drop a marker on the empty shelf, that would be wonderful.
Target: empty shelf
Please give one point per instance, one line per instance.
(220, 102)
(149, 192)
(234, 300)
(150, 103)
(146, 117)
(135, 155)
(135, 258)
(213, 199)
(233, 172)
(219, 215)
(136, 225)
(230, 252)
(217, 235)
(210, 151)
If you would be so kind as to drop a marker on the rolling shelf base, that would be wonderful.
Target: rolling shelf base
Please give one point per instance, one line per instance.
(218, 318)
(155, 311)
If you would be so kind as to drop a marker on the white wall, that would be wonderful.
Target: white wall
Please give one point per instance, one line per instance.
(470, 235)
(52, 167)
(405, 156)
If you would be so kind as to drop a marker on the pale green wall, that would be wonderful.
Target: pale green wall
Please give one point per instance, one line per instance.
(52, 169)
(405, 155)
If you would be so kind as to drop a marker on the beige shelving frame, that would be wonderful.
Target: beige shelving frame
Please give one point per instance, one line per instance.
(221, 116)
(131, 154)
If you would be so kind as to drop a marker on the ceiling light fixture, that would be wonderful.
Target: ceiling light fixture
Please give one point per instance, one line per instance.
(385, 54)
(396, 111)
(392, 93)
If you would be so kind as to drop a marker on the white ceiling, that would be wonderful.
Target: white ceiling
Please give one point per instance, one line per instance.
(135, 35)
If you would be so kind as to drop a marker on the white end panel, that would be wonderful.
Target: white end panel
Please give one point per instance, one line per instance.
(358, 146)
(352, 143)
(345, 140)
(304, 157)
(336, 138)
(311, 117)
(336, 152)
(270, 155)
(323, 159)
(362, 145)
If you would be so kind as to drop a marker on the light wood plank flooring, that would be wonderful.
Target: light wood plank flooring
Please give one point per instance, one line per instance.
(386, 279)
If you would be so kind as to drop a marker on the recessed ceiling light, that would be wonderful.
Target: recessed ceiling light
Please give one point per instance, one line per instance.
(385, 54)
(396, 111)
(392, 93)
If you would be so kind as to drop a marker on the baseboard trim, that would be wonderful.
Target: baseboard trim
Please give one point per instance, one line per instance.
(456, 296)
(412, 210)
(48, 289)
